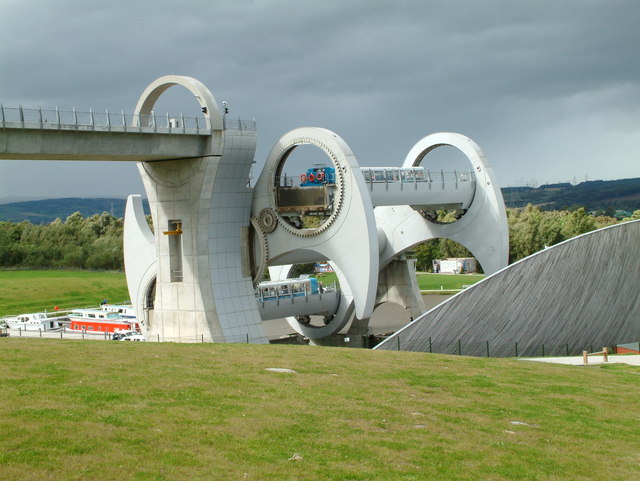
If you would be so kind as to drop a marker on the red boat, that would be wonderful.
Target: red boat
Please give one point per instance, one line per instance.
(97, 320)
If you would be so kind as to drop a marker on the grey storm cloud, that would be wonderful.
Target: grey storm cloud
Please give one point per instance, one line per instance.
(549, 89)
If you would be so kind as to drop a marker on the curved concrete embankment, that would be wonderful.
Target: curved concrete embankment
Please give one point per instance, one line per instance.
(581, 294)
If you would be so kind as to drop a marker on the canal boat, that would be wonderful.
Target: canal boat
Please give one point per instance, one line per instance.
(99, 320)
(37, 321)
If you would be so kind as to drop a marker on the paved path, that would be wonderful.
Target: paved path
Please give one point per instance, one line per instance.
(631, 359)
(60, 334)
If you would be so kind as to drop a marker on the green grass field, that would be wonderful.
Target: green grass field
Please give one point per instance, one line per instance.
(447, 282)
(36, 291)
(101, 410)
(25, 291)
(427, 281)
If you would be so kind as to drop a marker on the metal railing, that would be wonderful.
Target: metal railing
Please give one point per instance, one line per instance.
(56, 119)
(415, 175)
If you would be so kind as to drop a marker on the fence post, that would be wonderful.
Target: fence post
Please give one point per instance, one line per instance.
(20, 331)
(158, 337)
(543, 350)
(61, 334)
(567, 345)
(459, 347)
(430, 350)
(488, 349)
(398, 338)
(516, 349)
(247, 338)
(40, 331)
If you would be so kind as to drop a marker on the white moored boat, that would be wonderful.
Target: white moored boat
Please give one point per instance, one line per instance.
(38, 321)
(125, 310)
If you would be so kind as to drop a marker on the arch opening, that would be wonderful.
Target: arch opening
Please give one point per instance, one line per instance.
(306, 183)
(444, 256)
(449, 167)
(143, 113)
(311, 281)
(177, 108)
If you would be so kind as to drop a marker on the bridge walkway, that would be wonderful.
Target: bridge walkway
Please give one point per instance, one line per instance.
(420, 188)
(39, 134)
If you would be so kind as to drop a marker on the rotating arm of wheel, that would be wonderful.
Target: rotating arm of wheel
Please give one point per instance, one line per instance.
(348, 237)
(483, 229)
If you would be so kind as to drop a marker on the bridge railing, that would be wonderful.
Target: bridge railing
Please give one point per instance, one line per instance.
(415, 175)
(56, 119)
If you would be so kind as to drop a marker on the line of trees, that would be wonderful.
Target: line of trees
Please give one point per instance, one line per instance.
(77, 243)
(96, 242)
(530, 230)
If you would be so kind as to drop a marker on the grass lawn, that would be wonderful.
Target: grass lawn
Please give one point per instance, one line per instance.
(25, 291)
(446, 282)
(328, 278)
(99, 410)
(34, 291)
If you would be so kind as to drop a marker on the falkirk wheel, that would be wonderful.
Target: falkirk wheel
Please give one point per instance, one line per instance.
(199, 274)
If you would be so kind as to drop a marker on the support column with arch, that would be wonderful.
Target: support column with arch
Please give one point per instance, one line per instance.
(200, 209)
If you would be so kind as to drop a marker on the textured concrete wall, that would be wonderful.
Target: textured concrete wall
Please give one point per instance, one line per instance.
(580, 294)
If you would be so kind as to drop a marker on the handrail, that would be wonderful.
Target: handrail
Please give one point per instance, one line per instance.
(50, 119)
(414, 175)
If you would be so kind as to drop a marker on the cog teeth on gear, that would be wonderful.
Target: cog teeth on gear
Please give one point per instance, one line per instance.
(267, 220)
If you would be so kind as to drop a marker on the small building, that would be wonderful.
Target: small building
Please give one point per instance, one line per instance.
(455, 265)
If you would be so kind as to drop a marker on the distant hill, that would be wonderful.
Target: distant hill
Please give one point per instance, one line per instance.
(595, 195)
(607, 196)
(46, 211)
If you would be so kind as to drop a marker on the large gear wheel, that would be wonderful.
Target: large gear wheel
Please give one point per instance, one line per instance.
(267, 220)
(338, 196)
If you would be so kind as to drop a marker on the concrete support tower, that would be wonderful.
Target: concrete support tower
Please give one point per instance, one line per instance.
(190, 280)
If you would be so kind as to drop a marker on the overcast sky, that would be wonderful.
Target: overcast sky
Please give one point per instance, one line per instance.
(550, 89)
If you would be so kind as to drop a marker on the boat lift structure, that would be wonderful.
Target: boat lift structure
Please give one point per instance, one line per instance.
(195, 276)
